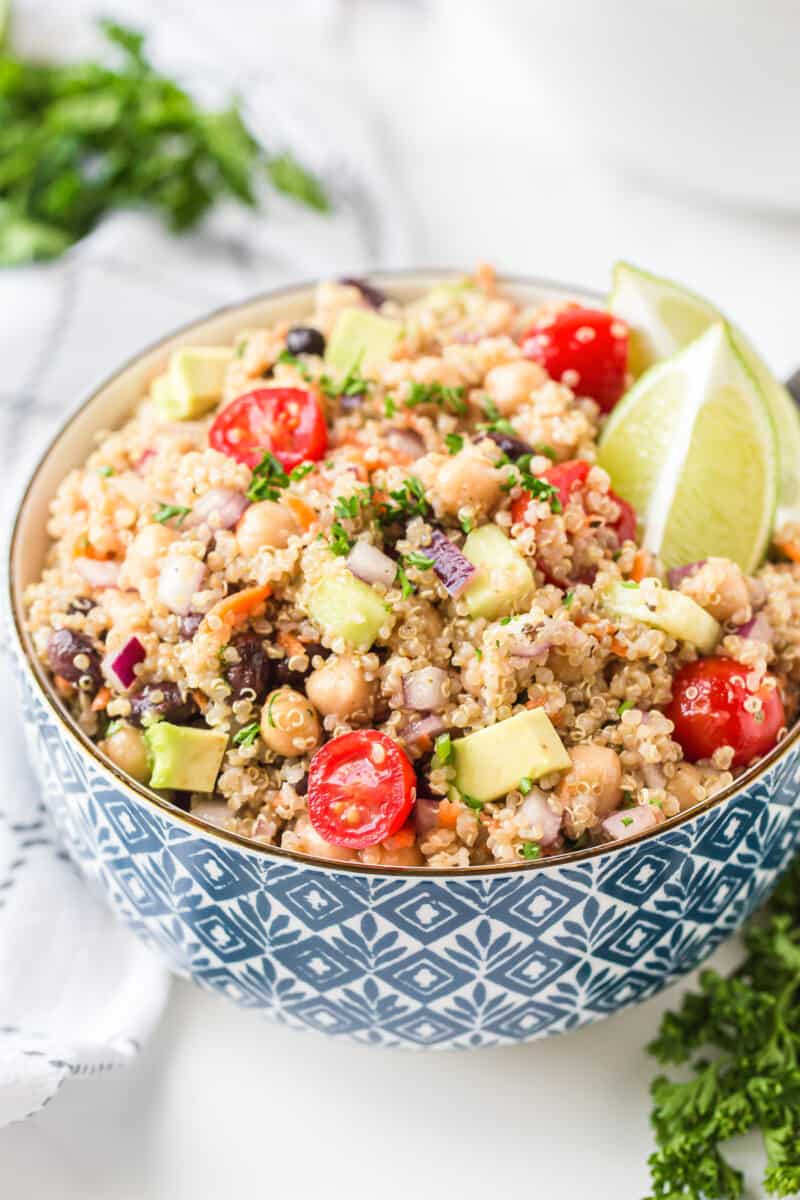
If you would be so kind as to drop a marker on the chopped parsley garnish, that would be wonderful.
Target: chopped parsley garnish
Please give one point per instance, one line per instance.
(525, 785)
(627, 820)
(353, 384)
(240, 348)
(544, 451)
(568, 598)
(389, 406)
(247, 734)
(496, 422)
(627, 799)
(105, 471)
(467, 524)
(629, 583)
(168, 511)
(292, 360)
(539, 489)
(417, 559)
(340, 542)
(505, 621)
(348, 508)
(443, 747)
(406, 586)
(624, 707)
(478, 654)
(409, 501)
(530, 850)
(454, 442)
(300, 471)
(471, 802)
(269, 478)
(450, 398)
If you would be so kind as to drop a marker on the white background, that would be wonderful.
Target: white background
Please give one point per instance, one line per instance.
(221, 1104)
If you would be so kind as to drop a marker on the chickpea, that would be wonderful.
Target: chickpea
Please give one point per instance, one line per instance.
(468, 479)
(592, 789)
(721, 589)
(289, 723)
(511, 384)
(306, 840)
(265, 524)
(339, 689)
(687, 786)
(145, 554)
(127, 749)
(385, 856)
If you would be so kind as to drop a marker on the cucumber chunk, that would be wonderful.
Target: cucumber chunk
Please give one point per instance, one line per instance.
(503, 581)
(346, 607)
(193, 382)
(660, 608)
(361, 339)
(491, 762)
(185, 759)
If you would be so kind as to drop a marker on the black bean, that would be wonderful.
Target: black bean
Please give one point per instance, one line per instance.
(373, 295)
(189, 625)
(514, 447)
(305, 339)
(81, 604)
(253, 671)
(64, 647)
(296, 679)
(301, 787)
(164, 700)
(422, 767)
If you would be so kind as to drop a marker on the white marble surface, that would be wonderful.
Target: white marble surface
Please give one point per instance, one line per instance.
(221, 1104)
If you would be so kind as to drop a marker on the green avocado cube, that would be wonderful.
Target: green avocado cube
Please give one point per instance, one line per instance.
(503, 581)
(193, 382)
(362, 339)
(185, 759)
(658, 607)
(491, 762)
(346, 607)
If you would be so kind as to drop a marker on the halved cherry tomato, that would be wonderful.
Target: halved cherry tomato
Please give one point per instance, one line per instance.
(361, 788)
(708, 711)
(289, 422)
(566, 477)
(585, 348)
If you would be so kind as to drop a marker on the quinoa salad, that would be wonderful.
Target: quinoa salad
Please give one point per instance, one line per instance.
(359, 588)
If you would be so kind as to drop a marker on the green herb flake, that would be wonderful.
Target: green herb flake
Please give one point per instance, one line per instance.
(627, 820)
(353, 384)
(106, 472)
(269, 478)
(301, 470)
(505, 621)
(467, 524)
(568, 598)
(240, 348)
(339, 541)
(478, 654)
(443, 747)
(454, 442)
(530, 851)
(247, 734)
(629, 583)
(525, 785)
(389, 406)
(449, 398)
(292, 360)
(627, 799)
(406, 586)
(417, 559)
(472, 803)
(624, 707)
(545, 451)
(169, 511)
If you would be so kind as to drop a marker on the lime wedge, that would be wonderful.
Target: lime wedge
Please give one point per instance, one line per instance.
(663, 318)
(692, 448)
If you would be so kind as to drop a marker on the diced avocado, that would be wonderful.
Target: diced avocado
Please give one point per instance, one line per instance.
(503, 580)
(183, 758)
(195, 378)
(345, 607)
(491, 762)
(361, 339)
(163, 398)
(671, 612)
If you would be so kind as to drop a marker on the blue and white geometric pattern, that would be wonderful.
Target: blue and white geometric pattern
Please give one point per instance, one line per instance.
(418, 961)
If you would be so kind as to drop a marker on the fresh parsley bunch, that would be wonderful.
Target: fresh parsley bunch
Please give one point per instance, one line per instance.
(79, 140)
(741, 1037)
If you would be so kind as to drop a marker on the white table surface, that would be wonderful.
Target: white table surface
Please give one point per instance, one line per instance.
(223, 1104)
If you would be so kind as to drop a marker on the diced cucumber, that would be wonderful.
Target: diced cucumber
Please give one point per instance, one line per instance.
(194, 382)
(361, 339)
(346, 607)
(491, 762)
(185, 759)
(660, 608)
(503, 581)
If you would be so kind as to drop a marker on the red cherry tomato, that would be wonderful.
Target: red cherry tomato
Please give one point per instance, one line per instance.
(361, 788)
(566, 477)
(585, 348)
(708, 711)
(289, 422)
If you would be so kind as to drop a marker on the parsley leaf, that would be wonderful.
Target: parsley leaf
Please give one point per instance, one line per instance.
(406, 586)
(353, 384)
(417, 559)
(168, 511)
(340, 542)
(449, 398)
(530, 851)
(443, 747)
(301, 470)
(409, 501)
(269, 477)
(454, 442)
(471, 802)
(247, 734)
(292, 360)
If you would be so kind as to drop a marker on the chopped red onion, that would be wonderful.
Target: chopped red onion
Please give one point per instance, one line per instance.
(426, 689)
(538, 814)
(371, 565)
(676, 575)
(215, 812)
(406, 441)
(758, 628)
(131, 654)
(653, 776)
(97, 573)
(178, 581)
(426, 815)
(453, 568)
(220, 508)
(425, 727)
(630, 821)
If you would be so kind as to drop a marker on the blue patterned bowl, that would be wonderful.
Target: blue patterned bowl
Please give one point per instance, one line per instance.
(389, 956)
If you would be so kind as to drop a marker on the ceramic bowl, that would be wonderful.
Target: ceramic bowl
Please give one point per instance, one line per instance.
(398, 957)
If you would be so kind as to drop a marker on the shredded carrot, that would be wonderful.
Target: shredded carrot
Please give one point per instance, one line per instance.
(200, 699)
(291, 644)
(402, 840)
(619, 648)
(537, 703)
(790, 549)
(63, 686)
(640, 564)
(101, 699)
(305, 514)
(448, 813)
(234, 608)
